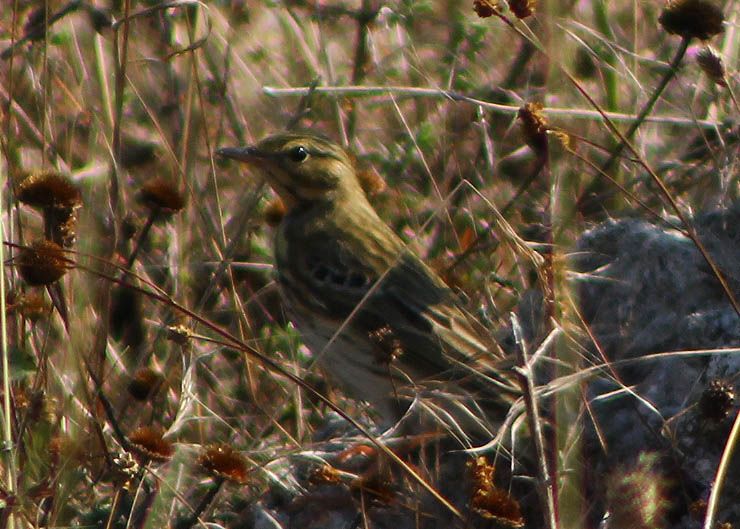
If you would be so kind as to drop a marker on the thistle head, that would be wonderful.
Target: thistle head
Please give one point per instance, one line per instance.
(301, 168)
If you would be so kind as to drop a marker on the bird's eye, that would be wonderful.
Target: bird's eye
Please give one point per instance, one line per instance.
(298, 154)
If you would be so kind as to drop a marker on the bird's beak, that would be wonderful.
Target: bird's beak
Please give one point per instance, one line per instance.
(242, 154)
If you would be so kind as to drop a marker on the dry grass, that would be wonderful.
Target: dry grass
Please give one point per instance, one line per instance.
(130, 337)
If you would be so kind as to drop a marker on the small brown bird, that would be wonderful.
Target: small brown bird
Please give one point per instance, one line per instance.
(380, 321)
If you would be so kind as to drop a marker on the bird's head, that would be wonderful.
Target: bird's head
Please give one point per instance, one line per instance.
(301, 168)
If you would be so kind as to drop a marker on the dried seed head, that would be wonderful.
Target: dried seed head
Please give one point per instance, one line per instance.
(490, 501)
(717, 400)
(144, 383)
(566, 140)
(534, 126)
(521, 8)
(274, 212)
(161, 195)
(325, 475)
(180, 334)
(637, 497)
(148, 444)
(49, 189)
(701, 19)
(42, 263)
(224, 462)
(124, 471)
(710, 61)
(484, 8)
(388, 345)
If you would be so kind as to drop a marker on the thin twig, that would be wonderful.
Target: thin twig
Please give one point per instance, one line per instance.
(408, 91)
(524, 373)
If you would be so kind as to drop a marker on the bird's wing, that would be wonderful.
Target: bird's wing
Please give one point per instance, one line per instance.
(402, 305)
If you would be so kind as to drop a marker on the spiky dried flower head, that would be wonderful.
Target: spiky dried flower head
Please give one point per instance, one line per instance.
(637, 497)
(534, 126)
(49, 189)
(144, 383)
(42, 263)
(710, 61)
(224, 462)
(490, 501)
(31, 305)
(147, 443)
(717, 400)
(522, 8)
(161, 195)
(484, 8)
(59, 199)
(701, 19)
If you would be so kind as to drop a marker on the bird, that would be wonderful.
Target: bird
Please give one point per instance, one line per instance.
(383, 325)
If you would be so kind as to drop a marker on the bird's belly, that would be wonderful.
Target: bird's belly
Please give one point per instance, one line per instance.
(350, 360)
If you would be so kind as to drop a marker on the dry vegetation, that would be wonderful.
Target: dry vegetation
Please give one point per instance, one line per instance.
(150, 375)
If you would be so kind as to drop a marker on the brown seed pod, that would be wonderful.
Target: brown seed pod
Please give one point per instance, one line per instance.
(49, 189)
(324, 475)
(710, 61)
(701, 19)
(161, 196)
(224, 462)
(59, 200)
(534, 126)
(144, 383)
(490, 501)
(717, 400)
(389, 347)
(147, 443)
(521, 8)
(484, 8)
(42, 263)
